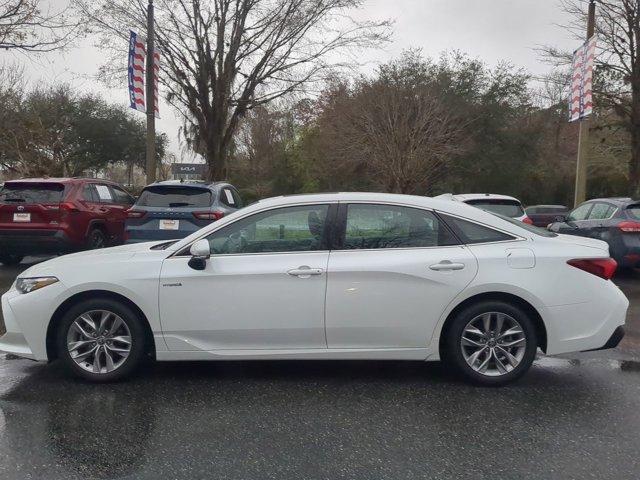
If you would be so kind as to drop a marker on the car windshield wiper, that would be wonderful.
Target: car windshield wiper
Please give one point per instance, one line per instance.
(181, 204)
(14, 200)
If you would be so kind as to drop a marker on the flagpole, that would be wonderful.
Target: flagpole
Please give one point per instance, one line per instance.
(151, 103)
(583, 135)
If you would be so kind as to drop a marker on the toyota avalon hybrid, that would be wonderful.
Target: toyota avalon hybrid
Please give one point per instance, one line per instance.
(327, 276)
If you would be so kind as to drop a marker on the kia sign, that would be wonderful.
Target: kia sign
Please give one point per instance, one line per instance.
(188, 168)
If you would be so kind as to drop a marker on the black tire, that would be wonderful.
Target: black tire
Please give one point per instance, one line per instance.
(96, 239)
(453, 343)
(10, 259)
(128, 316)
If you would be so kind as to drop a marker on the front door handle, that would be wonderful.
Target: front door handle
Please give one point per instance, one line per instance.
(446, 265)
(304, 272)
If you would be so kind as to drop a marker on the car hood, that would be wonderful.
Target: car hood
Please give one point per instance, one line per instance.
(583, 242)
(86, 258)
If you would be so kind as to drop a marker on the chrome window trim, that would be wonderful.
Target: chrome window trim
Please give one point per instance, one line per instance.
(516, 237)
(278, 207)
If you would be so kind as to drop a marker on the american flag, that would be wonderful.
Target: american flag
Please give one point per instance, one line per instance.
(581, 97)
(137, 59)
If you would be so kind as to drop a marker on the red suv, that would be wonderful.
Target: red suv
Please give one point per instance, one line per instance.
(59, 215)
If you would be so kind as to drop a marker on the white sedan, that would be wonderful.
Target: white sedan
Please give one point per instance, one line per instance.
(329, 276)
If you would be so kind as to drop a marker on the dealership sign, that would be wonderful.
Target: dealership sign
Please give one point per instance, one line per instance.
(188, 168)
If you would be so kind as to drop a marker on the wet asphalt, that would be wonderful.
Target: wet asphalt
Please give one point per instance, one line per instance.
(575, 416)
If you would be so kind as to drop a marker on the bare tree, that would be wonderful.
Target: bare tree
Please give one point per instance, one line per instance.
(27, 26)
(400, 132)
(617, 75)
(225, 57)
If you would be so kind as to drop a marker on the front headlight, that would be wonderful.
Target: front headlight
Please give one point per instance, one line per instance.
(26, 285)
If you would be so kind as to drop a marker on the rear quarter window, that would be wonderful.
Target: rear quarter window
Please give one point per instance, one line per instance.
(15, 192)
(633, 211)
(174, 197)
(470, 232)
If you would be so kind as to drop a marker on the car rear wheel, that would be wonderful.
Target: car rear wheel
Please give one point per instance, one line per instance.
(491, 343)
(101, 340)
(96, 239)
(10, 259)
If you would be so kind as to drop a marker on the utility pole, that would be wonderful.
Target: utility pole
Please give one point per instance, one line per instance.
(583, 136)
(151, 101)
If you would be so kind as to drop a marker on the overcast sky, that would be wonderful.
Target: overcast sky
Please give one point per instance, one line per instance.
(492, 30)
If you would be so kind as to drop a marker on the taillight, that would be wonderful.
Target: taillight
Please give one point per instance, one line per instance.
(135, 213)
(527, 220)
(215, 215)
(69, 207)
(601, 267)
(629, 227)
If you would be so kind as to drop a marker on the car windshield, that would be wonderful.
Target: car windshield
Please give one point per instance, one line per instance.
(29, 192)
(510, 208)
(530, 228)
(174, 197)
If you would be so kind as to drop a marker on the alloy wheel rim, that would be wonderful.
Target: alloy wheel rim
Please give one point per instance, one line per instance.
(493, 344)
(99, 341)
(98, 240)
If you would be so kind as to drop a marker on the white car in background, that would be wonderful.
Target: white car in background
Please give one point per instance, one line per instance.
(327, 276)
(501, 204)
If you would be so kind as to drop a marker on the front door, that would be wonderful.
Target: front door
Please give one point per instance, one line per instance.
(263, 287)
(394, 274)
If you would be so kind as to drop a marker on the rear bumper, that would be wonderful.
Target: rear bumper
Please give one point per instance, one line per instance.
(26, 242)
(614, 340)
(592, 325)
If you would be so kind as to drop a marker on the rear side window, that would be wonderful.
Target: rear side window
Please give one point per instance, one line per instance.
(89, 193)
(15, 192)
(104, 193)
(508, 208)
(601, 211)
(389, 226)
(174, 197)
(470, 232)
(230, 198)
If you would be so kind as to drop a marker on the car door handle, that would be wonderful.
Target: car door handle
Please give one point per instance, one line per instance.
(304, 272)
(446, 265)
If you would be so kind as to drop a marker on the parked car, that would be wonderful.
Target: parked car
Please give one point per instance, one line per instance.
(173, 209)
(492, 202)
(543, 215)
(59, 215)
(326, 276)
(613, 220)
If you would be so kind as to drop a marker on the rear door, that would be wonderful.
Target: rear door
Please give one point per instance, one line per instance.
(393, 272)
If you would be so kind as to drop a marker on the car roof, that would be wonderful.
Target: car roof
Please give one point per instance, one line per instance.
(189, 183)
(617, 200)
(443, 205)
(60, 180)
(465, 197)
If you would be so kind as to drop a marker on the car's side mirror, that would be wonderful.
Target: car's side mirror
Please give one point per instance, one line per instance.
(200, 253)
(559, 218)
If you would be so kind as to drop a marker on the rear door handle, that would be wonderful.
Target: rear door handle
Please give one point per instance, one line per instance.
(304, 272)
(446, 265)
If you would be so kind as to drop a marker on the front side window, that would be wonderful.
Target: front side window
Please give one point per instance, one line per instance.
(581, 212)
(389, 226)
(470, 232)
(121, 196)
(289, 229)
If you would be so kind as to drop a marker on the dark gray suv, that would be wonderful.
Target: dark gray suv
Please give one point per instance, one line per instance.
(173, 209)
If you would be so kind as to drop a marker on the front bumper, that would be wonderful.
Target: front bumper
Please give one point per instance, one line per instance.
(13, 340)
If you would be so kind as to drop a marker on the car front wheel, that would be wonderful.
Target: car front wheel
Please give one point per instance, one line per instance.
(101, 340)
(491, 343)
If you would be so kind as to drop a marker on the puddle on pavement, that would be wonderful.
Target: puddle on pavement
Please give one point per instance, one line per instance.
(613, 364)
